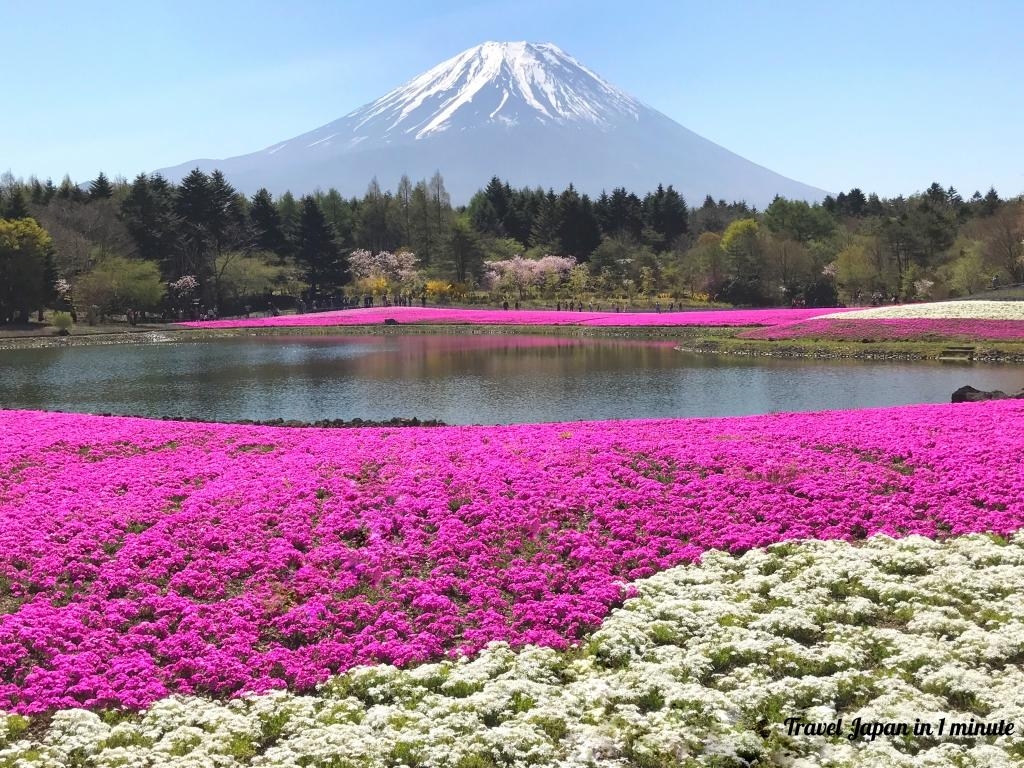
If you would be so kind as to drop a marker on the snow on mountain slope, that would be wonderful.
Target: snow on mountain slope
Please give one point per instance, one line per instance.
(503, 83)
(527, 112)
(538, 82)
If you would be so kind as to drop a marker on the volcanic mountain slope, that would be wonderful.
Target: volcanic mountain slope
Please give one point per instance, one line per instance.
(528, 113)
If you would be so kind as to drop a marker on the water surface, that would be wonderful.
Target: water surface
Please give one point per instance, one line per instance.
(460, 379)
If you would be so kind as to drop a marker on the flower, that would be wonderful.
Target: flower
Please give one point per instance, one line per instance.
(703, 666)
(143, 558)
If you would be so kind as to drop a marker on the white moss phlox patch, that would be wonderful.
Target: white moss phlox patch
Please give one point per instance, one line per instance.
(702, 667)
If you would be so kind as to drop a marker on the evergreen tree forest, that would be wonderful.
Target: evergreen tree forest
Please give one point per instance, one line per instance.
(113, 246)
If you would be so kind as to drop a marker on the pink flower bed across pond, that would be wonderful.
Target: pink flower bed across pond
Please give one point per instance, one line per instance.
(885, 329)
(432, 315)
(141, 558)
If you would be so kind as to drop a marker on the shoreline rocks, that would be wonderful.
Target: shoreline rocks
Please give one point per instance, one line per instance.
(968, 394)
(397, 421)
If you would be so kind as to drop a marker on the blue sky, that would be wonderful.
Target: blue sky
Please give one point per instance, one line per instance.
(888, 96)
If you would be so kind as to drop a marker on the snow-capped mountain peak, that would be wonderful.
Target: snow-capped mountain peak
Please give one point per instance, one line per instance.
(528, 113)
(496, 82)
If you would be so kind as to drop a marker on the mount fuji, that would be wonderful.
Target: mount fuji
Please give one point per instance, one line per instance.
(528, 113)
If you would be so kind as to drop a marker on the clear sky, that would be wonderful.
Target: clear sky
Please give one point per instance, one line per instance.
(888, 96)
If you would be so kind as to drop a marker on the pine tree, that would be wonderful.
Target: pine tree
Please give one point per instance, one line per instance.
(423, 235)
(100, 188)
(577, 230)
(372, 232)
(497, 195)
(228, 217)
(523, 208)
(37, 194)
(483, 216)
(290, 212)
(339, 213)
(403, 203)
(194, 206)
(622, 215)
(268, 234)
(68, 190)
(317, 251)
(147, 211)
(856, 202)
(14, 205)
(440, 202)
(464, 249)
(991, 202)
(874, 206)
(545, 232)
(603, 211)
(652, 209)
(675, 216)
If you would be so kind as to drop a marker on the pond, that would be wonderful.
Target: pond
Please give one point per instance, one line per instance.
(459, 379)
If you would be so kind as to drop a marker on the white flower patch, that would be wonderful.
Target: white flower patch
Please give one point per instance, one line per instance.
(702, 668)
(939, 310)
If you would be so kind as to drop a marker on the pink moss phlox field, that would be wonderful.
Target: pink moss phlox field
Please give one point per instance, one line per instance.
(141, 558)
(907, 329)
(437, 315)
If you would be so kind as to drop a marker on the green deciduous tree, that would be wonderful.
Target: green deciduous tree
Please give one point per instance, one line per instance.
(967, 273)
(745, 263)
(862, 269)
(24, 268)
(798, 220)
(249, 276)
(118, 284)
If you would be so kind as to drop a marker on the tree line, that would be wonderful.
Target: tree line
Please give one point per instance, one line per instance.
(149, 244)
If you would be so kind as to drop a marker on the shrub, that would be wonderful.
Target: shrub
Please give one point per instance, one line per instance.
(62, 322)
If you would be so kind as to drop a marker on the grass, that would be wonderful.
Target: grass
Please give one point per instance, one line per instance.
(728, 344)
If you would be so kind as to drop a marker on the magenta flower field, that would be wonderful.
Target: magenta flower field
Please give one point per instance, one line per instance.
(432, 316)
(884, 329)
(141, 558)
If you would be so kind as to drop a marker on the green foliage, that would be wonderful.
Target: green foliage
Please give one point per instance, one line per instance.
(612, 257)
(147, 211)
(317, 251)
(932, 244)
(664, 217)
(248, 275)
(117, 284)
(500, 248)
(465, 251)
(965, 274)
(858, 271)
(701, 268)
(17, 726)
(798, 220)
(24, 256)
(268, 231)
(741, 245)
(744, 251)
(13, 206)
(100, 188)
(62, 322)
(575, 226)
